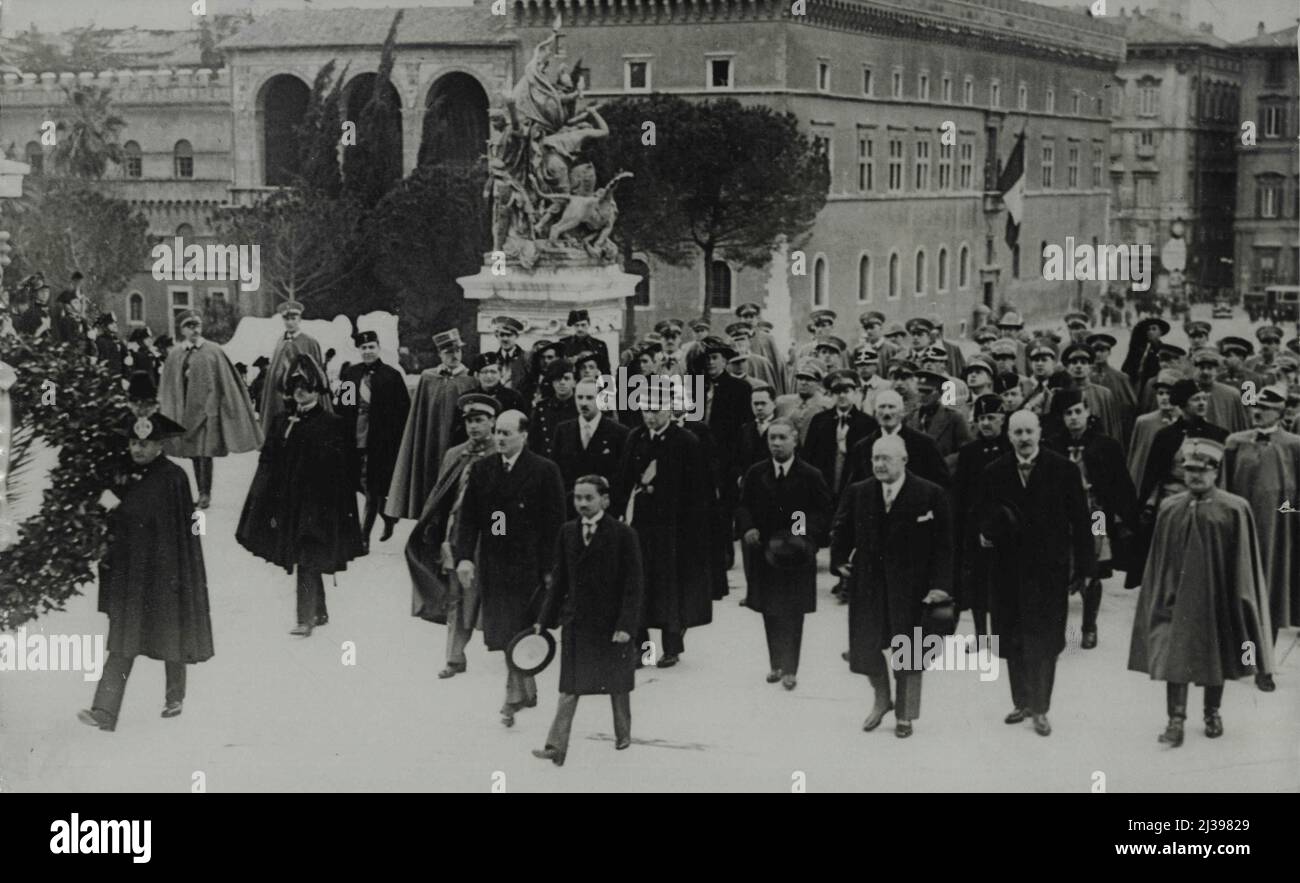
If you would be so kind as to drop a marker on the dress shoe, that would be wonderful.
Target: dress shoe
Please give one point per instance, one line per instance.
(1016, 716)
(508, 717)
(172, 709)
(321, 620)
(301, 630)
(845, 656)
(528, 703)
(205, 500)
(621, 744)
(1265, 683)
(452, 670)
(744, 602)
(388, 532)
(365, 546)
(1089, 639)
(1041, 726)
(773, 676)
(903, 729)
(97, 717)
(1173, 734)
(877, 715)
(550, 754)
(668, 660)
(1213, 724)
(788, 681)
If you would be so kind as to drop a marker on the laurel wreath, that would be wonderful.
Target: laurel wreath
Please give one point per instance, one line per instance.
(67, 399)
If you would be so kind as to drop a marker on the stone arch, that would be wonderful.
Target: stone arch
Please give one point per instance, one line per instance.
(281, 105)
(455, 126)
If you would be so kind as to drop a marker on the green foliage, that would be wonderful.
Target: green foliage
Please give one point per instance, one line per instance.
(63, 224)
(87, 133)
(57, 547)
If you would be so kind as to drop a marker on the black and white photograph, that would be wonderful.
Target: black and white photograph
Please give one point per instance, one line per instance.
(378, 380)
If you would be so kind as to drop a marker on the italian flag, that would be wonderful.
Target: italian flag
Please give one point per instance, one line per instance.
(1012, 187)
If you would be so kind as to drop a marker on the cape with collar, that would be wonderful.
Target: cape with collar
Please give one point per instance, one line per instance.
(286, 352)
(425, 438)
(212, 404)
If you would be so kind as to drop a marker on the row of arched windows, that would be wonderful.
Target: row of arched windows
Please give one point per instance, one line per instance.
(132, 159)
(941, 273)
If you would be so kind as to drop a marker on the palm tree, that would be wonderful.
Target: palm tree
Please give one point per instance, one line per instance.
(87, 142)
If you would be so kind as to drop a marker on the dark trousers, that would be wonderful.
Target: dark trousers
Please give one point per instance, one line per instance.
(1176, 699)
(374, 502)
(311, 596)
(674, 643)
(203, 474)
(784, 639)
(558, 737)
(112, 683)
(1091, 604)
(521, 690)
(1031, 679)
(907, 693)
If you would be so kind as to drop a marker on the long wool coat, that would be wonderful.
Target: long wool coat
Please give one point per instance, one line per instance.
(671, 518)
(286, 352)
(898, 557)
(596, 590)
(208, 398)
(425, 439)
(769, 506)
(507, 525)
(970, 564)
(300, 510)
(152, 583)
(1203, 594)
(1266, 475)
(389, 405)
(1031, 566)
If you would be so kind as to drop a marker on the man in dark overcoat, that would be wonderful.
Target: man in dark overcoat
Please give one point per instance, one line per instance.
(374, 403)
(438, 595)
(152, 582)
(504, 541)
(581, 340)
(595, 595)
(553, 409)
(662, 493)
(923, 457)
(783, 518)
(300, 511)
(892, 538)
(970, 565)
(833, 433)
(726, 410)
(591, 444)
(1034, 516)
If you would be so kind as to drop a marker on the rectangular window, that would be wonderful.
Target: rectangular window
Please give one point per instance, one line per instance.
(1049, 162)
(823, 76)
(966, 164)
(923, 87)
(134, 166)
(1145, 192)
(896, 87)
(1274, 121)
(1072, 168)
(947, 89)
(1148, 101)
(1147, 138)
(1075, 103)
(922, 165)
(866, 165)
(1049, 103)
(636, 76)
(895, 165)
(968, 91)
(995, 94)
(1022, 97)
(1270, 199)
(185, 167)
(945, 166)
(1096, 165)
(720, 73)
(866, 81)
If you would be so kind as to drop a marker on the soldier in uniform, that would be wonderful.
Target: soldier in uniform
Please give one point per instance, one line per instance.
(821, 323)
(762, 343)
(554, 409)
(1077, 325)
(755, 365)
(1265, 364)
(288, 346)
(807, 400)
(671, 332)
(866, 362)
(1198, 334)
(1235, 351)
(512, 361)
(1010, 388)
(489, 373)
(1225, 406)
(946, 425)
(582, 341)
(1146, 426)
(1079, 359)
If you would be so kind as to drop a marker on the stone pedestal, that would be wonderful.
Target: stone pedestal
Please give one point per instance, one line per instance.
(542, 297)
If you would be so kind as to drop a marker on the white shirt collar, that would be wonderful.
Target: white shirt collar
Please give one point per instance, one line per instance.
(1272, 429)
(593, 519)
(592, 423)
(509, 462)
(893, 487)
(779, 466)
(1026, 460)
(895, 431)
(655, 433)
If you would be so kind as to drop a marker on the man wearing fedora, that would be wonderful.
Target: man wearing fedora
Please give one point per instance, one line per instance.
(288, 346)
(300, 513)
(504, 542)
(1262, 466)
(438, 595)
(1204, 597)
(783, 519)
(429, 427)
(1033, 517)
(595, 596)
(203, 392)
(373, 402)
(581, 340)
(663, 492)
(152, 581)
(892, 540)
(512, 360)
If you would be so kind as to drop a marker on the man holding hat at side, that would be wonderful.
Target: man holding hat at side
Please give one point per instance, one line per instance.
(203, 392)
(1204, 595)
(288, 346)
(429, 427)
(581, 340)
(807, 400)
(1262, 465)
(152, 582)
(438, 595)
(595, 595)
(373, 402)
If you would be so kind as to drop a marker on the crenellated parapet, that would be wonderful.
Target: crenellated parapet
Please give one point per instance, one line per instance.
(1012, 26)
(161, 86)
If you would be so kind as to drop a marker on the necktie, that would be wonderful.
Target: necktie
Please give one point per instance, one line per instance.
(585, 432)
(1025, 469)
(588, 528)
(780, 472)
(889, 498)
(1263, 437)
